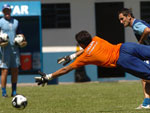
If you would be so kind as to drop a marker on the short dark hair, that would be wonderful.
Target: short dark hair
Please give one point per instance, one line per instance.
(125, 12)
(83, 37)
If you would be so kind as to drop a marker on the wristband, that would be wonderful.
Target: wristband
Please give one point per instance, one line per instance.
(49, 76)
(73, 56)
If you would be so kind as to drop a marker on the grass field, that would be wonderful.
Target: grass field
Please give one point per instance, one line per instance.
(105, 97)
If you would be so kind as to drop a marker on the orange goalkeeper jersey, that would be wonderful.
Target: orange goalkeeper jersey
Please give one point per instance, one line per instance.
(98, 52)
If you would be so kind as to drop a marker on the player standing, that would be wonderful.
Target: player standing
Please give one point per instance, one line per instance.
(141, 30)
(9, 54)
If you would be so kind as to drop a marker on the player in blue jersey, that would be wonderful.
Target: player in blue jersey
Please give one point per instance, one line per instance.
(9, 54)
(141, 30)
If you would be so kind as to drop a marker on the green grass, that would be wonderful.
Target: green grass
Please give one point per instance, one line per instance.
(104, 97)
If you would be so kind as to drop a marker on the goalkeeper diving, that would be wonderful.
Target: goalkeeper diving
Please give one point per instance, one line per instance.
(128, 56)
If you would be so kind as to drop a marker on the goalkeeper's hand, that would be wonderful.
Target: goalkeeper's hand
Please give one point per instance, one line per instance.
(43, 79)
(66, 59)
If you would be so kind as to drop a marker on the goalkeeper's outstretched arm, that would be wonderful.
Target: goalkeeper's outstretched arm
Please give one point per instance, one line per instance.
(62, 71)
(46, 77)
(66, 59)
(79, 52)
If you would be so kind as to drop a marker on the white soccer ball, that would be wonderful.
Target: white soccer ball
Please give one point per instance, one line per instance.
(4, 36)
(18, 39)
(4, 39)
(19, 102)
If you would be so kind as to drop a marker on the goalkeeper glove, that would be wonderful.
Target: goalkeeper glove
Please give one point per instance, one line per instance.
(66, 59)
(43, 79)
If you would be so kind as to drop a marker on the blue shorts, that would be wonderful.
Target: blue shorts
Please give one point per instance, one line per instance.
(9, 57)
(132, 57)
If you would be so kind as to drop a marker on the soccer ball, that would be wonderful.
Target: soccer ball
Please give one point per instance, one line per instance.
(19, 102)
(4, 39)
(18, 39)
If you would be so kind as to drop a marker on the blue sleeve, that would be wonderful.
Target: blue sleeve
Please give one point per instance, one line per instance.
(139, 28)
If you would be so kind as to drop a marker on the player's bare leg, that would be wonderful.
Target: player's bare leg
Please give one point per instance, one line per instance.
(14, 79)
(4, 73)
(146, 91)
(146, 88)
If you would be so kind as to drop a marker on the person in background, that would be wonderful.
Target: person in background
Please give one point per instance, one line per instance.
(9, 53)
(141, 30)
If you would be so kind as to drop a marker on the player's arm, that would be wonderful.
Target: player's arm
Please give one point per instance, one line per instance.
(66, 59)
(46, 77)
(20, 39)
(144, 35)
(61, 71)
